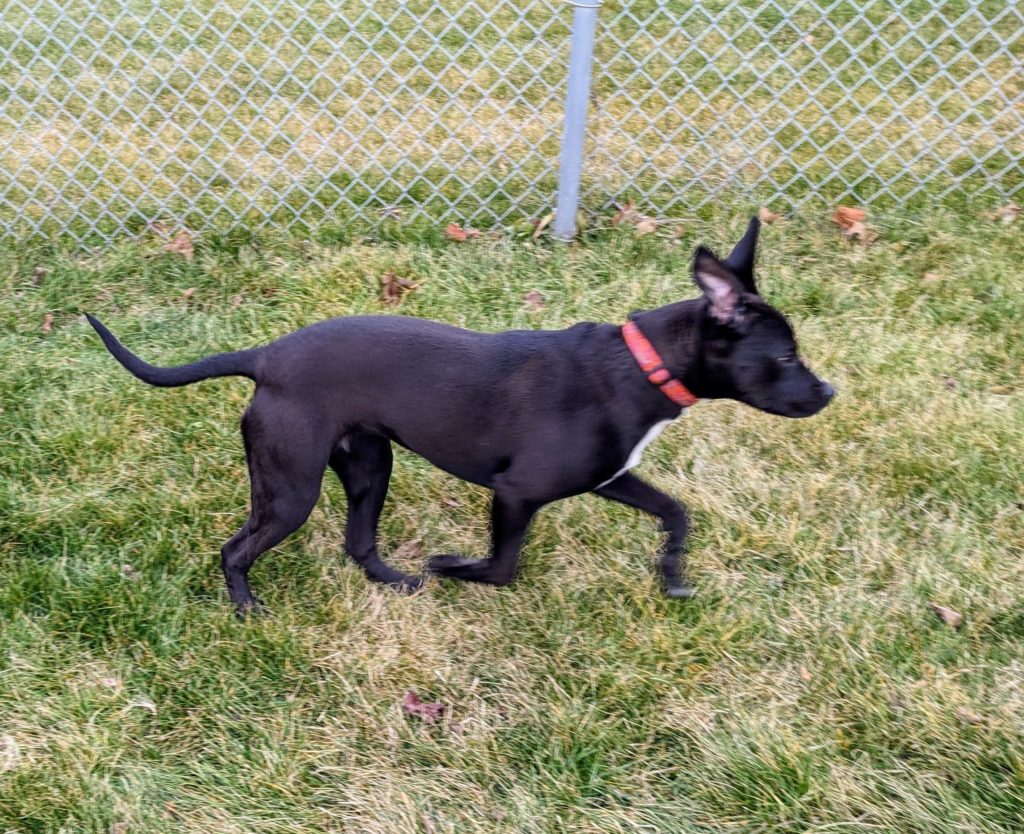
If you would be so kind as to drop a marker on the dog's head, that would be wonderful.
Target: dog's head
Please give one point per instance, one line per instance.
(749, 352)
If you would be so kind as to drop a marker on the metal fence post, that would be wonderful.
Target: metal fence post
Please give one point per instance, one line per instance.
(584, 21)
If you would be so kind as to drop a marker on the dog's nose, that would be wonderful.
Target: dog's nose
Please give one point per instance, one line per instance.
(827, 390)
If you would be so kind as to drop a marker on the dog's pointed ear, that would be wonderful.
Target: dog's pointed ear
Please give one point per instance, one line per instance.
(718, 283)
(741, 259)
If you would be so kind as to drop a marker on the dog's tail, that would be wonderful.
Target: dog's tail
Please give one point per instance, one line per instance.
(240, 363)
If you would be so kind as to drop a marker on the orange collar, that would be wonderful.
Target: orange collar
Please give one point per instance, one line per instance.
(652, 365)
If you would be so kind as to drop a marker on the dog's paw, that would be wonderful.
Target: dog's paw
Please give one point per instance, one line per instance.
(468, 570)
(684, 591)
(407, 584)
(254, 610)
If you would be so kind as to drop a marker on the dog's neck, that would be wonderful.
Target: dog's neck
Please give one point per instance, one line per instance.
(675, 333)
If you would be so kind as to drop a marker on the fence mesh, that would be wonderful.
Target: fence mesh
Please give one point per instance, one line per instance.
(296, 113)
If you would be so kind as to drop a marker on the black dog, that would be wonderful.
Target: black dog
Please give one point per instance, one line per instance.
(533, 415)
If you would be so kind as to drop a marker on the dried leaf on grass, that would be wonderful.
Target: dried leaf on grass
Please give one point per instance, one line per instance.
(455, 232)
(625, 213)
(968, 717)
(143, 703)
(533, 300)
(767, 216)
(47, 323)
(954, 619)
(645, 225)
(850, 221)
(38, 274)
(1006, 214)
(930, 278)
(392, 287)
(412, 549)
(427, 713)
(542, 224)
(181, 244)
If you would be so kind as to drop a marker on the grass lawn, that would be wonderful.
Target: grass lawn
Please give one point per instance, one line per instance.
(808, 688)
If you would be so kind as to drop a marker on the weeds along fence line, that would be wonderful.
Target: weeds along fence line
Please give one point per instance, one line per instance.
(297, 113)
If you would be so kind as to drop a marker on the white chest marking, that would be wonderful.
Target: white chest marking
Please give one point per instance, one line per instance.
(638, 450)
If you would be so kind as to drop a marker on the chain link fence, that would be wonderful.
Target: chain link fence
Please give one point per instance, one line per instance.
(299, 113)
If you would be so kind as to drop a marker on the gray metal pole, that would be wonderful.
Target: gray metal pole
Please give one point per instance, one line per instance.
(584, 21)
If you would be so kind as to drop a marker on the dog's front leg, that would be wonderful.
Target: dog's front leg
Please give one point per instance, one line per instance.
(510, 520)
(675, 521)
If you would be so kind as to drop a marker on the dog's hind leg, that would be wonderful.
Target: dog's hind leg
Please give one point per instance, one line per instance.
(285, 479)
(363, 463)
(630, 490)
(510, 520)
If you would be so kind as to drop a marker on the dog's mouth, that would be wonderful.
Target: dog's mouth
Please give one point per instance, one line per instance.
(800, 409)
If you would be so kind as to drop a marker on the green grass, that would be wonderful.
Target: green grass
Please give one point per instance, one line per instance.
(807, 688)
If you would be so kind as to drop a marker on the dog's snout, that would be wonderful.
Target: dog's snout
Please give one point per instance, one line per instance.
(827, 390)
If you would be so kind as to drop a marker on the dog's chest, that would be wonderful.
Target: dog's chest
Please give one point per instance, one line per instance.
(637, 453)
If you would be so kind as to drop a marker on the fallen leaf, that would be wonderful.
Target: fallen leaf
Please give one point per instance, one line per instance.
(48, 322)
(392, 287)
(143, 703)
(931, 278)
(645, 225)
(954, 619)
(950, 383)
(625, 213)
(111, 683)
(805, 675)
(130, 573)
(767, 216)
(1007, 214)
(542, 224)
(808, 39)
(181, 244)
(845, 217)
(456, 728)
(238, 300)
(427, 713)
(861, 232)
(1001, 389)
(533, 300)
(968, 717)
(428, 823)
(457, 233)
(187, 294)
(38, 273)
(452, 502)
(412, 549)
